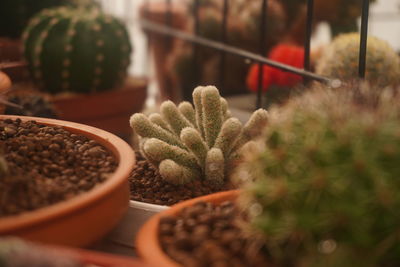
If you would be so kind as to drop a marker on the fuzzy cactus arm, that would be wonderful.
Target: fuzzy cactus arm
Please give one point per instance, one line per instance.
(224, 108)
(158, 151)
(215, 163)
(253, 128)
(175, 119)
(158, 120)
(199, 108)
(142, 141)
(192, 140)
(187, 110)
(231, 130)
(177, 174)
(212, 114)
(145, 128)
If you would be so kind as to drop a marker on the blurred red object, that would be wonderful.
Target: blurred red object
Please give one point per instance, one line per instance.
(284, 53)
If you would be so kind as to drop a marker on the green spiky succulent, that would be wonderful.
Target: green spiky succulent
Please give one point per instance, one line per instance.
(342, 15)
(200, 142)
(341, 58)
(326, 184)
(76, 49)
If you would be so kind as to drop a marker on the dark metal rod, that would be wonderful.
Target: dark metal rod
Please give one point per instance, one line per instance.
(223, 40)
(363, 39)
(262, 49)
(161, 29)
(307, 43)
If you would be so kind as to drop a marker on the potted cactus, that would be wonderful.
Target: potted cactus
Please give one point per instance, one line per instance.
(243, 27)
(320, 189)
(14, 16)
(185, 152)
(80, 55)
(340, 60)
(174, 59)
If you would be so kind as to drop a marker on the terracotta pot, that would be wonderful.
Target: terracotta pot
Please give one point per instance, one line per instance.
(85, 218)
(109, 110)
(11, 51)
(136, 216)
(98, 258)
(147, 243)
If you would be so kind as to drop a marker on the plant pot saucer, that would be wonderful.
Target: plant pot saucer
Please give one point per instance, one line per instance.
(128, 227)
(87, 217)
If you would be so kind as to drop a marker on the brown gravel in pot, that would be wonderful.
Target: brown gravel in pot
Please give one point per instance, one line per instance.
(47, 165)
(207, 235)
(148, 186)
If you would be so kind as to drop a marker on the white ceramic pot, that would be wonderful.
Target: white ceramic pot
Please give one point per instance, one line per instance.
(138, 213)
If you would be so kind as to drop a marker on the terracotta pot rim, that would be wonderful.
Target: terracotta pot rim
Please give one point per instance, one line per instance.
(117, 146)
(147, 244)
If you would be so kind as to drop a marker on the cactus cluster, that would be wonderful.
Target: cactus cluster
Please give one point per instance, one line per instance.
(76, 49)
(325, 188)
(341, 58)
(200, 142)
(243, 27)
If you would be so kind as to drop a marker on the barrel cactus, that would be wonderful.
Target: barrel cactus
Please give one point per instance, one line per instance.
(340, 60)
(76, 49)
(200, 142)
(325, 185)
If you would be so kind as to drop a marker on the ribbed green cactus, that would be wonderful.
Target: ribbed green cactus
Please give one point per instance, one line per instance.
(340, 60)
(200, 142)
(326, 184)
(76, 49)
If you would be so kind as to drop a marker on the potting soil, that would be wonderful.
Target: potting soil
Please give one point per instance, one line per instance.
(148, 186)
(47, 164)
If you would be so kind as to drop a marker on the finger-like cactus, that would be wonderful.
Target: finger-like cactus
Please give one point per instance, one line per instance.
(199, 142)
(78, 49)
(324, 190)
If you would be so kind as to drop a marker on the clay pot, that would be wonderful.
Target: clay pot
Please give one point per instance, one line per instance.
(109, 110)
(147, 243)
(11, 51)
(86, 218)
(93, 258)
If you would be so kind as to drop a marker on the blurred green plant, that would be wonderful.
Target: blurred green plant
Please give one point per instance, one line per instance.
(323, 183)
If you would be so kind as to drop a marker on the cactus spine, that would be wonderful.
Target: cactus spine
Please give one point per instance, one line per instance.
(325, 190)
(77, 49)
(187, 142)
